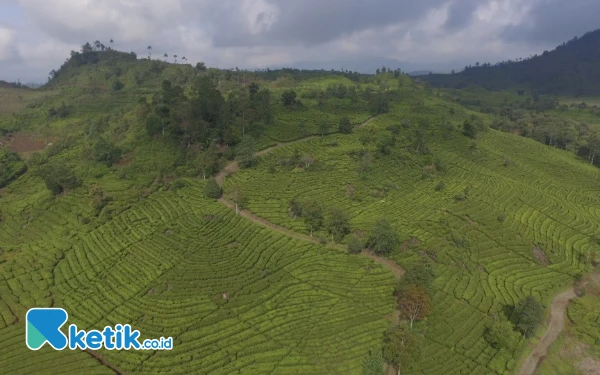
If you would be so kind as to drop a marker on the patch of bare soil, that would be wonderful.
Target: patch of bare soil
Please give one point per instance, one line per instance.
(555, 326)
(540, 255)
(589, 366)
(25, 143)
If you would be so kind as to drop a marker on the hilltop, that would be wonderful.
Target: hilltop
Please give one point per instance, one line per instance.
(345, 182)
(573, 68)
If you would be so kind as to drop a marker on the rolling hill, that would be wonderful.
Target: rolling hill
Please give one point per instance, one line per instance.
(112, 219)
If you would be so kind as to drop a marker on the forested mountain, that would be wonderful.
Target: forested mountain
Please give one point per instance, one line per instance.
(573, 68)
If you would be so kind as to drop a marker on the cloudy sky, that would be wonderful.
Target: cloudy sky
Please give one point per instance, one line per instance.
(37, 35)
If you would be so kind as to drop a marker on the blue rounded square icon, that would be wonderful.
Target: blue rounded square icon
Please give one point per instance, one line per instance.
(43, 326)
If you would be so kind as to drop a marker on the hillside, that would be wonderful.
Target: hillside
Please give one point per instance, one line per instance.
(109, 211)
(572, 69)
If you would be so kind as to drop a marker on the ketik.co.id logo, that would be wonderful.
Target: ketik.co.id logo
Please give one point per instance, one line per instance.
(43, 326)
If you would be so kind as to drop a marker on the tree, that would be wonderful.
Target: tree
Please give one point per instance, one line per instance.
(295, 207)
(105, 152)
(201, 67)
(313, 216)
(323, 127)
(384, 238)
(262, 105)
(288, 97)
(307, 160)
(212, 189)
(166, 56)
(246, 152)
(208, 160)
(153, 125)
(149, 51)
(528, 315)
(500, 335)
(175, 58)
(401, 347)
(345, 126)
(58, 178)
(238, 198)
(415, 303)
(253, 89)
(469, 129)
(422, 273)
(355, 246)
(337, 224)
(366, 163)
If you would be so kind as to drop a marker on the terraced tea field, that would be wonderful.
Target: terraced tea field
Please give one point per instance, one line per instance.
(236, 297)
(527, 225)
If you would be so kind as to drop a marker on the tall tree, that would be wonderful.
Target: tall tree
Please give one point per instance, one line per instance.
(313, 216)
(337, 224)
(383, 238)
(238, 197)
(401, 347)
(415, 303)
(528, 315)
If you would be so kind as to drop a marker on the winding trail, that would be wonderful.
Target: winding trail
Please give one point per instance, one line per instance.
(555, 326)
(232, 167)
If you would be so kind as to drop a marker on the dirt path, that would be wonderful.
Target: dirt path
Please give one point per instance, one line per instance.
(555, 326)
(233, 167)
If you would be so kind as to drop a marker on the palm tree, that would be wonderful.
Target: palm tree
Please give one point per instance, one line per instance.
(166, 57)
(175, 56)
(149, 52)
(183, 58)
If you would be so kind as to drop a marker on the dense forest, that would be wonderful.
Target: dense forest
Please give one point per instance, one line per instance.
(570, 69)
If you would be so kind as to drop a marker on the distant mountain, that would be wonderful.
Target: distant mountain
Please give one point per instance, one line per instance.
(420, 73)
(573, 68)
(10, 85)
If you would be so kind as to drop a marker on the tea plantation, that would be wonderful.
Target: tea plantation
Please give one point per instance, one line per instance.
(236, 297)
(515, 218)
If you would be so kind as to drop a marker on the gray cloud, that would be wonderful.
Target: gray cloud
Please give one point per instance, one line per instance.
(552, 22)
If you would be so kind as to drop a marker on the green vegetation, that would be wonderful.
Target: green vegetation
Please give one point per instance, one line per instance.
(116, 219)
(11, 167)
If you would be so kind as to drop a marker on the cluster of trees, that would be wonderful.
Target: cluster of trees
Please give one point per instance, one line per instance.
(396, 72)
(296, 160)
(525, 319)
(336, 221)
(402, 343)
(205, 116)
(90, 53)
(565, 134)
(301, 75)
(58, 177)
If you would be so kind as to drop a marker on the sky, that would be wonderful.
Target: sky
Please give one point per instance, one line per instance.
(37, 36)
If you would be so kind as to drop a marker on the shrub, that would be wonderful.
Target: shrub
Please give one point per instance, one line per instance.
(440, 186)
(58, 178)
(502, 217)
(384, 238)
(345, 126)
(355, 246)
(212, 189)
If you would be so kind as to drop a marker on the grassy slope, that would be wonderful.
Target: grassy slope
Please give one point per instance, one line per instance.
(160, 258)
(547, 197)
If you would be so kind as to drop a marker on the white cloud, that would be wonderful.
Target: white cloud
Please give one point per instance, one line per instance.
(8, 51)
